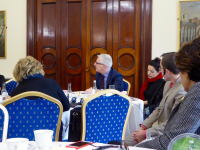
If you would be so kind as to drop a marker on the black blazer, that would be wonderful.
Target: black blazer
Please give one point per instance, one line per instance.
(46, 86)
(2, 79)
(114, 78)
(155, 91)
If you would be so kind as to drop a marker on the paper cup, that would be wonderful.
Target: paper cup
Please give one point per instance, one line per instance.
(43, 139)
(17, 143)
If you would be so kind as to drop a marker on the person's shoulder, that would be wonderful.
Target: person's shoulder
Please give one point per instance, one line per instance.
(194, 90)
(162, 81)
(196, 86)
(115, 72)
(50, 80)
(97, 75)
(167, 83)
(159, 83)
(1, 76)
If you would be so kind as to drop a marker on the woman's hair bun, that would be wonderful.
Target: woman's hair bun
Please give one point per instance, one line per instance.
(157, 59)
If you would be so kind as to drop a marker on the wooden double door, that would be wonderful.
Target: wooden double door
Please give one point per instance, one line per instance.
(71, 33)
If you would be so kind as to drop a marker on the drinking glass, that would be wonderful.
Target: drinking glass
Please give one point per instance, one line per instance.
(111, 86)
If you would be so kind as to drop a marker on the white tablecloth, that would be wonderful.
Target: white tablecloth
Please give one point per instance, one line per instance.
(135, 118)
(62, 146)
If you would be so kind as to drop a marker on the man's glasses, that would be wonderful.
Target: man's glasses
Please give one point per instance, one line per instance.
(99, 63)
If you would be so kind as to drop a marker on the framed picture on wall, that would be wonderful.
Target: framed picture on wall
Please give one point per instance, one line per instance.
(189, 20)
(2, 34)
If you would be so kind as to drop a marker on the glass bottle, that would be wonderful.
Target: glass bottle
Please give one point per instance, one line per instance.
(4, 93)
(94, 89)
(69, 90)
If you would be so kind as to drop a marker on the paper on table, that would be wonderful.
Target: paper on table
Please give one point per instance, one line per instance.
(62, 148)
(139, 148)
(135, 99)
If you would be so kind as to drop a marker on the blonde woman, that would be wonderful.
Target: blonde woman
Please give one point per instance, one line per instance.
(29, 73)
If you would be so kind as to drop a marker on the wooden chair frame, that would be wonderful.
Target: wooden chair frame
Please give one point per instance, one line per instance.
(129, 86)
(13, 79)
(39, 94)
(5, 126)
(90, 98)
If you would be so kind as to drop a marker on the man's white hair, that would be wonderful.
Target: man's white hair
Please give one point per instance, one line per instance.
(106, 60)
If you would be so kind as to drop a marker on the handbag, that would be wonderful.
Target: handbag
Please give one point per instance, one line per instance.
(75, 125)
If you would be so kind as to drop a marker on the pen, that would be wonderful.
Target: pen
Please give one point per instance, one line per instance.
(109, 146)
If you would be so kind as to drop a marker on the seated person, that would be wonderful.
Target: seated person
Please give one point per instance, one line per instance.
(152, 89)
(106, 75)
(29, 73)
(172, 95)
(2, 79)
(185, 117)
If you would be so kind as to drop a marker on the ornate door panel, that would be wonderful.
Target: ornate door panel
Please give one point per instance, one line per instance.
(73, 43)
(126, 41)
(67, 35)
(48, 37)
(99, 34)
(113, 27)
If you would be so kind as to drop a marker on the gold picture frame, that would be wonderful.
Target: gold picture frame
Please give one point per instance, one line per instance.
(2, 34)
(189, 21)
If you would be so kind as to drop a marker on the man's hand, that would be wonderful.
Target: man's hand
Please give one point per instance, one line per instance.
(138, 135)
(134, 139)
(141, 128)
(88, 91)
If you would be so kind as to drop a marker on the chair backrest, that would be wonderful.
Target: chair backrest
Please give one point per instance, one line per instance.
(26, 115)
(3, 122)
(10, 85)
(104, 118)
(127, 86)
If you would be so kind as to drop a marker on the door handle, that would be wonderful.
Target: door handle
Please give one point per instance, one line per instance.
(87, 69)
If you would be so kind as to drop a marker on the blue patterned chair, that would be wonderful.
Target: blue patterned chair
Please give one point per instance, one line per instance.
(10, 85)
(25, 115)
(3, 123)
(127, 86)
(104, 118)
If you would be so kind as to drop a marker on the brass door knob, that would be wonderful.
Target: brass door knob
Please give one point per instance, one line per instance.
(87, 69)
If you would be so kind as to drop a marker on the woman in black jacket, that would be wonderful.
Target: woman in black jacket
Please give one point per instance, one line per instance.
(152, 89)
(2, 79)
(29, 73)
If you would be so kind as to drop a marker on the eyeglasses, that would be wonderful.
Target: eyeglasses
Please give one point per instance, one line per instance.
(99, 63)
